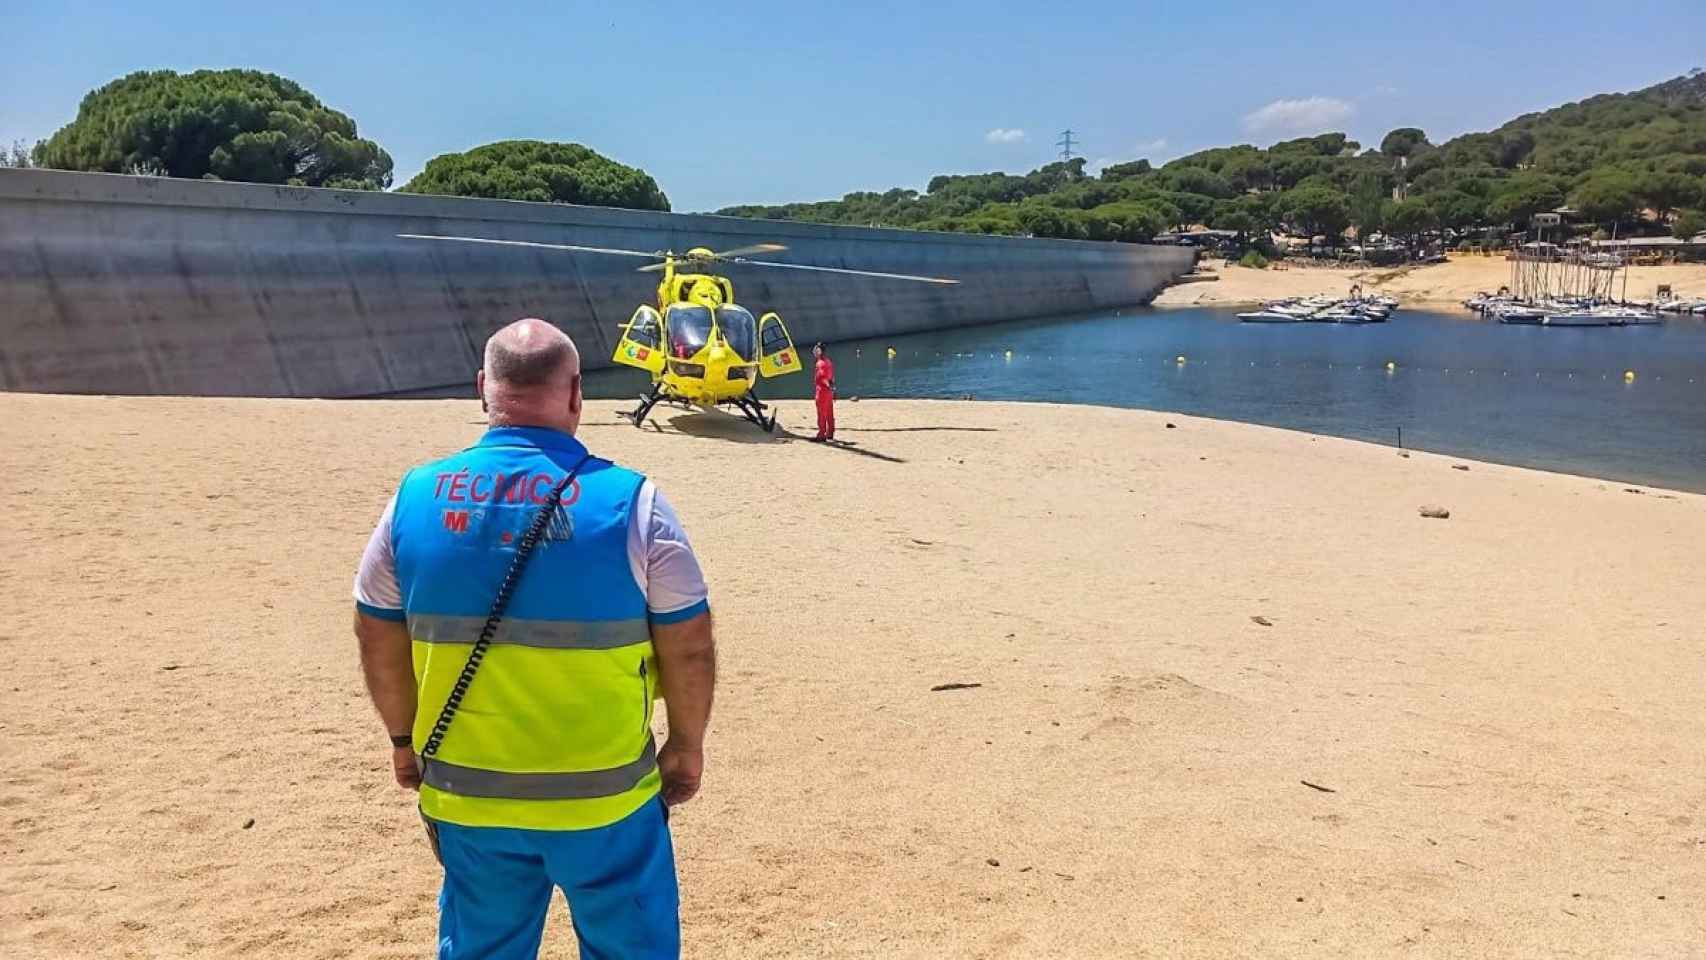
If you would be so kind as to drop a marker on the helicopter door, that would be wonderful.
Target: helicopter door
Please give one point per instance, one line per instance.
(776, 352)
(641, 343)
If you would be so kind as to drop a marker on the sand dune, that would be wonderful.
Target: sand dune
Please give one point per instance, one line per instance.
(1431, 284)
(1506, 705)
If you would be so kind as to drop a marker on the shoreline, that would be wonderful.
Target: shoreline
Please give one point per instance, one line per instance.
(1432, 285)
(1175, 632)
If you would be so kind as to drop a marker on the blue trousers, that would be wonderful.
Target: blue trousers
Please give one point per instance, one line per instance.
(619, 882)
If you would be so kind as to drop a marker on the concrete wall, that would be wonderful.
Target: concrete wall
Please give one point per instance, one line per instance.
(141, 285)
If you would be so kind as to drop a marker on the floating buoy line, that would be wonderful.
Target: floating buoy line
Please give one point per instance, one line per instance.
(1390, 367)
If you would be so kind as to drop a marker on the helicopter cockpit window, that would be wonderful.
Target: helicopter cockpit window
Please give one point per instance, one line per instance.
(689, 329)
(775, 339)
(739, 329)
(643, 329)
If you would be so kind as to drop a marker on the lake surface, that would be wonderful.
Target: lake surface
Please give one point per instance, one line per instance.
(1555, 399)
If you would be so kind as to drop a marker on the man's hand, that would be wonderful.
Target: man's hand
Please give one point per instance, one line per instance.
(389, 670)
(681, 767)
(406, 768)
(687, 673)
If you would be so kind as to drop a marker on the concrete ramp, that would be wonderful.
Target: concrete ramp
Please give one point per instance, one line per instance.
(142, 285)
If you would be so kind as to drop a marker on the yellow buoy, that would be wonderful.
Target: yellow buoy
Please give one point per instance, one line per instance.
(1179, 359)
(1390, 366)
(1009, 354)
(1628, 375)
(891, 353)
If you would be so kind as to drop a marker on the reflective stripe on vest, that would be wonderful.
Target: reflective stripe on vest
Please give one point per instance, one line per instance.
(589, 784)
(547, 634)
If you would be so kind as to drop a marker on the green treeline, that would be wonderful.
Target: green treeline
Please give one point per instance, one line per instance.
(256, 127)
(536, 170)
(215, 124)
(1632, 162)
(1616, 159)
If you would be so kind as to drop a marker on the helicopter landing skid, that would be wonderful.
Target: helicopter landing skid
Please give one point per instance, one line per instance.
(647, 402)
(753, 409)
(749, 405)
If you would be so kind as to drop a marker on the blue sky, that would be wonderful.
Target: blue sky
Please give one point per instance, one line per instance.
(767, 102)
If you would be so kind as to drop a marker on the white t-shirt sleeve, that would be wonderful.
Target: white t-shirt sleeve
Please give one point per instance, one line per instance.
(662, 560)
(377, 592)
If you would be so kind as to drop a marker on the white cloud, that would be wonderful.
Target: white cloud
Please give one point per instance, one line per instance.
(1302, 116)
(1149, 147)
(1004, 135)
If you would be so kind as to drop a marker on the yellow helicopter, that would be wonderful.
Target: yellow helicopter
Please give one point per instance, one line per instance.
(701, 347)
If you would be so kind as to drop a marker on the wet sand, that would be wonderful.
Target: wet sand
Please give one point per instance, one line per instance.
(1505, 705)
(1431, 284)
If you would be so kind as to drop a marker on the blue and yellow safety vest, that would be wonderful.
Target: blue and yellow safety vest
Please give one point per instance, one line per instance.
(555, 731)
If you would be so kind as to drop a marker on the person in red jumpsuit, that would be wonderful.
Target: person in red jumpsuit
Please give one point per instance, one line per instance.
(823, 391)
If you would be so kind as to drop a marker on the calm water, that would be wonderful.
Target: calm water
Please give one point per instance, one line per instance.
(1549, 398)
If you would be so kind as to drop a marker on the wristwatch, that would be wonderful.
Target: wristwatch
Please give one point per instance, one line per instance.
(402, 740)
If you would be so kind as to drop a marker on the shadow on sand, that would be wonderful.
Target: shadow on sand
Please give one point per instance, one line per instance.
(846, 446)
(716, 425)
(916, 429)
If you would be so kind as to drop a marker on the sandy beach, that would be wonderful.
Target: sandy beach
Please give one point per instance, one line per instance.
(1437, 285)
(1237, 697)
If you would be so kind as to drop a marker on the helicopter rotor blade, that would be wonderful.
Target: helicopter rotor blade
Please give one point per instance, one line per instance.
(944, 281)
(651, 255)
(720, 256)
(754, 248)
(726, 256)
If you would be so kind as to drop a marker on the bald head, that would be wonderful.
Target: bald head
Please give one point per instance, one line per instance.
(531, 377)
(530, 353)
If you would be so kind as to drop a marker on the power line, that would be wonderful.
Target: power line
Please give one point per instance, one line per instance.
(1065, 144)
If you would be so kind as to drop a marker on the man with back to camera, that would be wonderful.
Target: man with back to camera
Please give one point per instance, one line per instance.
(547, 774)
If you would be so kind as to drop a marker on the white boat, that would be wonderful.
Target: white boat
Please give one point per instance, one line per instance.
(1301, 309)
(1338, 314)
(1517, 313)
(1323, 309)
(1629, 316)
(1368, 301)
(1575, 318)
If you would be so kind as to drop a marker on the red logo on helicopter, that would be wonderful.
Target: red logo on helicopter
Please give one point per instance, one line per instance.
(783, 358)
